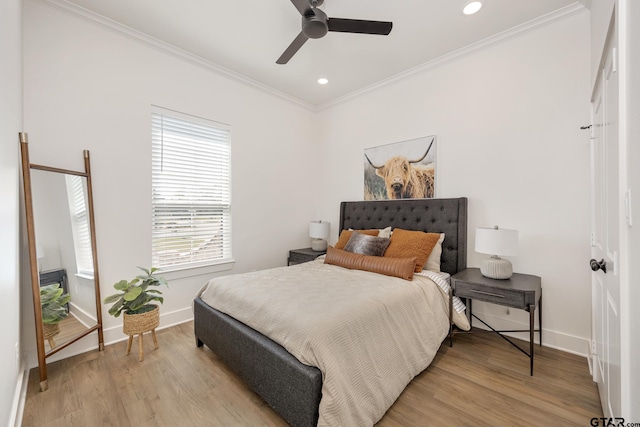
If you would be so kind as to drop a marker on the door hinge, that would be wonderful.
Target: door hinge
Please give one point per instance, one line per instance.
(614, 60)
(593, 239)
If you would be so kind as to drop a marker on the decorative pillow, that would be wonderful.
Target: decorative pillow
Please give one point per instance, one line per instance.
(385, 232)
(433, 262)
(346, 235)
(396, 267)
(458, 314)
(367, 245)
(406, 244)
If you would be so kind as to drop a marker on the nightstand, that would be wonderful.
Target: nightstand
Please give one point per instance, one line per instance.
(298, 256)
(521, 291)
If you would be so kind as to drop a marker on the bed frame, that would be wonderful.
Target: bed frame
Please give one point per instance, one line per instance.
(291, 388)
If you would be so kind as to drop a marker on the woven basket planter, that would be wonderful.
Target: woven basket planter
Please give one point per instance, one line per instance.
(50, 330)
(138, 323)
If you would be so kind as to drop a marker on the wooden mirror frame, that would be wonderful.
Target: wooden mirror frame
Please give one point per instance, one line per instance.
(35, 276)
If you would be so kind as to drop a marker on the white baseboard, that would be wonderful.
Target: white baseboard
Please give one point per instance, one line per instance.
(19, 397)
(550, 338)
(82, 316)
(554, 339)
(112, 335)
(590, 358)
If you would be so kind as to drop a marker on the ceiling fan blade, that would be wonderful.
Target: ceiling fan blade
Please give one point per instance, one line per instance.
(295, 45)
(303, 6)
(382, 28)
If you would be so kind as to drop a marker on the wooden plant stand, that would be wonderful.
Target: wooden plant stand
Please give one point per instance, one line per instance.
(138, 324)
(50, 330)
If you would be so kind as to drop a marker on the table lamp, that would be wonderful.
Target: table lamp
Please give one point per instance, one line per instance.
(319, 233)
(496, 241)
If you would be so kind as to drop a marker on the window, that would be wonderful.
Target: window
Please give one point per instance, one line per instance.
(76, 191)
(191, 191)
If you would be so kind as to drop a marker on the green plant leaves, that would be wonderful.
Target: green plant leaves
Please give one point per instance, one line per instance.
(132, 294)
(135, 295)
(121, 285)
(52, 301)
(116, 309)
(112, 298)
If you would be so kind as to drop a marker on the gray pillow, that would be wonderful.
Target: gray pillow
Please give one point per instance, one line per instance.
(367, 245)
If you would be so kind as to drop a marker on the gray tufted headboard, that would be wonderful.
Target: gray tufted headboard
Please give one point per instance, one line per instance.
(447, 216)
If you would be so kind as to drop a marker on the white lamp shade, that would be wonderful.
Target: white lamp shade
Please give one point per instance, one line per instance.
(496, 241)
(319, 229)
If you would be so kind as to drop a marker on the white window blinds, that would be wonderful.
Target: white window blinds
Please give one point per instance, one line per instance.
(79, 212)
(191, 191)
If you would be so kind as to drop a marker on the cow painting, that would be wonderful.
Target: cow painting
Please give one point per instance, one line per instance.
(405, 178)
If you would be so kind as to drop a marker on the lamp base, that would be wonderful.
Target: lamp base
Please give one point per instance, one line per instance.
(318, 245)
(496, 268)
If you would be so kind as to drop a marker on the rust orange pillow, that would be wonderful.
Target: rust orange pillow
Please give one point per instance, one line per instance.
(407, 244)
(396, 267)
(346, 235)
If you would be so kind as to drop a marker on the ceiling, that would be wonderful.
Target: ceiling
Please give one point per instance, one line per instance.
(246, 37)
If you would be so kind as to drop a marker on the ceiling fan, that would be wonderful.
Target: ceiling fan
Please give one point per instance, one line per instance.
(316, 24)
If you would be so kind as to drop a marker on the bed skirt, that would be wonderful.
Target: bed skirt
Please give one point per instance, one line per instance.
(291, 388)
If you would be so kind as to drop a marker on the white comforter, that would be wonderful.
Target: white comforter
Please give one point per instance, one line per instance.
(368, 334)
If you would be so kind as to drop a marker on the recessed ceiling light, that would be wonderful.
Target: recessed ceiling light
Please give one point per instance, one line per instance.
(323, 81)
(472, 7)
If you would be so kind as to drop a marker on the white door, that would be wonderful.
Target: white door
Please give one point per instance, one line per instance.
(606, 208)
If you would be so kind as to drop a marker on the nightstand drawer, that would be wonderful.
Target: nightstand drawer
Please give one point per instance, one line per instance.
(493, 295)
(298, 256)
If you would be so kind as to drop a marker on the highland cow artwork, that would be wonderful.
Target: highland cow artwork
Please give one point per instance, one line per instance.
(403, 170)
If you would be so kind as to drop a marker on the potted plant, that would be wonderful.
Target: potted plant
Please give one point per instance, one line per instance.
(134, 300)
(53, 300)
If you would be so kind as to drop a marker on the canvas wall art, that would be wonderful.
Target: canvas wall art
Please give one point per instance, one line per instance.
(402, 170)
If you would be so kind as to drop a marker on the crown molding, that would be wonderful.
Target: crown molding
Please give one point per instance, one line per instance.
(155, 43)
(534, 24)
(150, 41)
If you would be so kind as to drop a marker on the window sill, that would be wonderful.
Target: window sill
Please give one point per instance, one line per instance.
(186, 272)
(84, 276)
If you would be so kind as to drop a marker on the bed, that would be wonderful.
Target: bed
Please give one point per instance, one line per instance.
(294, 389)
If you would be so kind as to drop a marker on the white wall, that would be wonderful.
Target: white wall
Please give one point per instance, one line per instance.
(90, 88)
(10, 125)
(507, 120)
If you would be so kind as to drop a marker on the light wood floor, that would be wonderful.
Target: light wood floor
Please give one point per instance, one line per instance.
(70, 327)
(481, 381)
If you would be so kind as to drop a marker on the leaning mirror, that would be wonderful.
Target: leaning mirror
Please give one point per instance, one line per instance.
(63, 259)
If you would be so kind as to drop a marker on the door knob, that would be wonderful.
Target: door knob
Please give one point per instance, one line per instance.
(598, 265)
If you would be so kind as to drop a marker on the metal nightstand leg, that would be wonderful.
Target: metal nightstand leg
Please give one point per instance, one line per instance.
(532, 312)
(540, 318)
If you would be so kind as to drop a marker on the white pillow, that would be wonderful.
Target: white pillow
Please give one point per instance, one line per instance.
(385, 232)
(433, 262)
(442, 280)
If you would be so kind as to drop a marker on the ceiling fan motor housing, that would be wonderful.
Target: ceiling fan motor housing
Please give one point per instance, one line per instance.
(315, 26)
